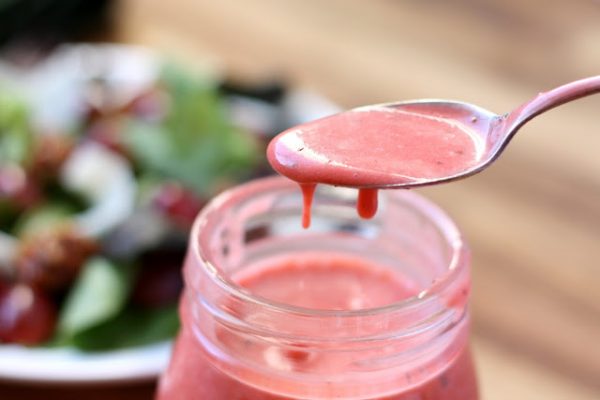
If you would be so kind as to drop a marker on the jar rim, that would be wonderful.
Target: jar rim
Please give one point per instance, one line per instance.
(210, 213)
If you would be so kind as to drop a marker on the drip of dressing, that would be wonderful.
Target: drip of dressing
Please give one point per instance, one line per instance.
(308, 193)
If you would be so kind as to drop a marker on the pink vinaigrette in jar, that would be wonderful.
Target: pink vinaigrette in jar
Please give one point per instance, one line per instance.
(350, 309)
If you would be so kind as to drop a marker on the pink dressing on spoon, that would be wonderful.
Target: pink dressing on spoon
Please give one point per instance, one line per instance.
(373, 147)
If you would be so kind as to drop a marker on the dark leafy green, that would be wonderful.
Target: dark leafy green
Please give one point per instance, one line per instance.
(132, 327)
(195, 143)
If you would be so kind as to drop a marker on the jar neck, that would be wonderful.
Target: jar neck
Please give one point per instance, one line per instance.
(370, 352)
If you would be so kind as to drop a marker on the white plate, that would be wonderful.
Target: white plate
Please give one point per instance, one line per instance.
(66, 365)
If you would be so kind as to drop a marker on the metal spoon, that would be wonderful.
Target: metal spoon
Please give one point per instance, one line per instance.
(495, 130)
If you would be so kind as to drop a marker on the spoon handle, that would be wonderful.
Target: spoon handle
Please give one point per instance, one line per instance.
(550, 99)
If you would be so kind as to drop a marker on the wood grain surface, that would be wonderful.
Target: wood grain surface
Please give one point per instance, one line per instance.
(532, 220)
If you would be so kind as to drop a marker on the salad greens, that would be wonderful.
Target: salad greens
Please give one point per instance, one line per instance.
(99, 294)
(131, 327)
(15, 133)
(96, 315)
(179, 157)
(196, 143)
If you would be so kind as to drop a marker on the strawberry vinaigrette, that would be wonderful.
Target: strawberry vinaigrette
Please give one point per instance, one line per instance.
(351, 309)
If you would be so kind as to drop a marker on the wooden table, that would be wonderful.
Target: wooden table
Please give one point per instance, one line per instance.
(533, 219)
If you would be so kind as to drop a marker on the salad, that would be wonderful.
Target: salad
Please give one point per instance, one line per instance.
(94, 218)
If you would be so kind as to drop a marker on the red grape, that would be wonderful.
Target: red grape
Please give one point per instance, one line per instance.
(27, 315)
(178, 203)
(160, 281)
(18, 188)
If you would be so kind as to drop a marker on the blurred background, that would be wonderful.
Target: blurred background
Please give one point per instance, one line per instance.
(532, 220)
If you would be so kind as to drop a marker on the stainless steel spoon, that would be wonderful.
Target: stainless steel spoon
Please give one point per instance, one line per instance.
(495, 130)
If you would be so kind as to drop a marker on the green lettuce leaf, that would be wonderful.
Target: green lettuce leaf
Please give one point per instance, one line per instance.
(99, 294)
(15, 133)
(195, 143)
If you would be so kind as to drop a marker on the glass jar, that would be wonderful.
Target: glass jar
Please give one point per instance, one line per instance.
(235, 345)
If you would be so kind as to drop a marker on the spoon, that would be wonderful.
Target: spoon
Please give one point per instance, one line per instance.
(361, 148)
(405, 144)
